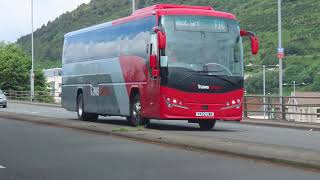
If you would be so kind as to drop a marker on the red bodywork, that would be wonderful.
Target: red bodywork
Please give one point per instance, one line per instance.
(153, 96)
(196, 101)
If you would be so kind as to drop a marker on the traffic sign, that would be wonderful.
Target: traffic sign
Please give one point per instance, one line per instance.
(280, 50)
(280, 55)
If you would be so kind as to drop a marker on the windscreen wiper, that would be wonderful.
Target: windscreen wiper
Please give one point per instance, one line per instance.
(207, 73)
(193, 73)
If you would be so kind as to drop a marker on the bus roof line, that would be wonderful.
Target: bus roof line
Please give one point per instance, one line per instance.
(92, 28)
(107, 24)
(170, 6)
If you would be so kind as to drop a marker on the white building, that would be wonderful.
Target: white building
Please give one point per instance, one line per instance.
(54, 79)
(306, 103)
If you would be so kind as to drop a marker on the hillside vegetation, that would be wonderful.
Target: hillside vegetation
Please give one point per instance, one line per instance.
(301, 32)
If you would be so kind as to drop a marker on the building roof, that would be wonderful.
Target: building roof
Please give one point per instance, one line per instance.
(308, 98)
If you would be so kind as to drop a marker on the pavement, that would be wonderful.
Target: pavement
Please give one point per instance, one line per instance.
(252, 121)
(283, 123)
(293, 147)
(33, 151)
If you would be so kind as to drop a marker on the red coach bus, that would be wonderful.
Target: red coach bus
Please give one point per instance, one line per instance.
(173, 62)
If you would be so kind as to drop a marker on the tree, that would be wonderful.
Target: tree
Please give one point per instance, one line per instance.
(15, 68)
(254, 84)
(2, 43)
(316, 83)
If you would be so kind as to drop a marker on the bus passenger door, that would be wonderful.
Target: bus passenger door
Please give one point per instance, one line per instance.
(152, 103)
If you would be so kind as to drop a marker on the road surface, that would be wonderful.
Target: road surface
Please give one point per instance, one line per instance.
(37, 152)
(251, 133)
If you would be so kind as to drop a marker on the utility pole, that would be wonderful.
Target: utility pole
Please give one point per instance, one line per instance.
(133, 5)
(280, 53)
(32, 61)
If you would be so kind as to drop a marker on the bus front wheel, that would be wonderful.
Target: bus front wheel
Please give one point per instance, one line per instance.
(135, 112)
(83, 116)
(206, 124)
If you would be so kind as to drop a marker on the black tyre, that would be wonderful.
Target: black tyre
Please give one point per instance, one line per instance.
(135, 113)
(83, 116)
(206, 124)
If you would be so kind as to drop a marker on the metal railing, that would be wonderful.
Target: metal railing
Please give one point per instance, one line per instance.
(39, 96)
(292, 108)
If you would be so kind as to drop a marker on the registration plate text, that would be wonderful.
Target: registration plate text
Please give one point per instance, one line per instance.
(204, 114)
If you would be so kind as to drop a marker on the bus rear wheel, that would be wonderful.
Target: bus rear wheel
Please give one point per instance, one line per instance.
(206, 124)
(135, 112)
(83, 116)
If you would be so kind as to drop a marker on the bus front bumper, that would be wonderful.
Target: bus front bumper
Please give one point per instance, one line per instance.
(193, 111)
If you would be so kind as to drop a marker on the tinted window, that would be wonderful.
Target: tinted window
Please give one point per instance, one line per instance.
(113, 41)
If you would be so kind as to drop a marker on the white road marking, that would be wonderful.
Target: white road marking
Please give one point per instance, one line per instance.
(2, 167)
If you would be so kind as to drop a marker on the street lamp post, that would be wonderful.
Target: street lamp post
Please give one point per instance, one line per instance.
(264, 91)
(32, 58)
(280, 50)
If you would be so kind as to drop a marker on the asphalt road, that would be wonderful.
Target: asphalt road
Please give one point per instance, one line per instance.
(251, 133)
(31, 151)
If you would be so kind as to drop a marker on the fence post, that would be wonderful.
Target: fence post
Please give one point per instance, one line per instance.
(269, 106)
(283, 109)
(245, 110)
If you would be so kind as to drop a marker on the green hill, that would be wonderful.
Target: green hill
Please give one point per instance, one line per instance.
(301, 22)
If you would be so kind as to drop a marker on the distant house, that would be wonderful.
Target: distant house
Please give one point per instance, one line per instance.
(54, 79)
(307, 102)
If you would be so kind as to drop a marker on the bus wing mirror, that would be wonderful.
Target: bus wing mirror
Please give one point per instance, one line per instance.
(254, 45)
(254, 41)
(162, 40)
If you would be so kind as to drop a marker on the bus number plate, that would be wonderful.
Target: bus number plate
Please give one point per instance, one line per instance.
(204, 114)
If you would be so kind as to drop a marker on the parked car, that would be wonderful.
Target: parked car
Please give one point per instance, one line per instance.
(3, 99)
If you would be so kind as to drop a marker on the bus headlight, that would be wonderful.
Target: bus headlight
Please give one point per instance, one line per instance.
(174, 102)
(234, 104)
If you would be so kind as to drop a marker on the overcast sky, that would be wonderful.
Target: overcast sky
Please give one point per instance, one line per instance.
(15, 15)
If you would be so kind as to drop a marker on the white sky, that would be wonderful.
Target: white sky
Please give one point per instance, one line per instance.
(15, 15)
